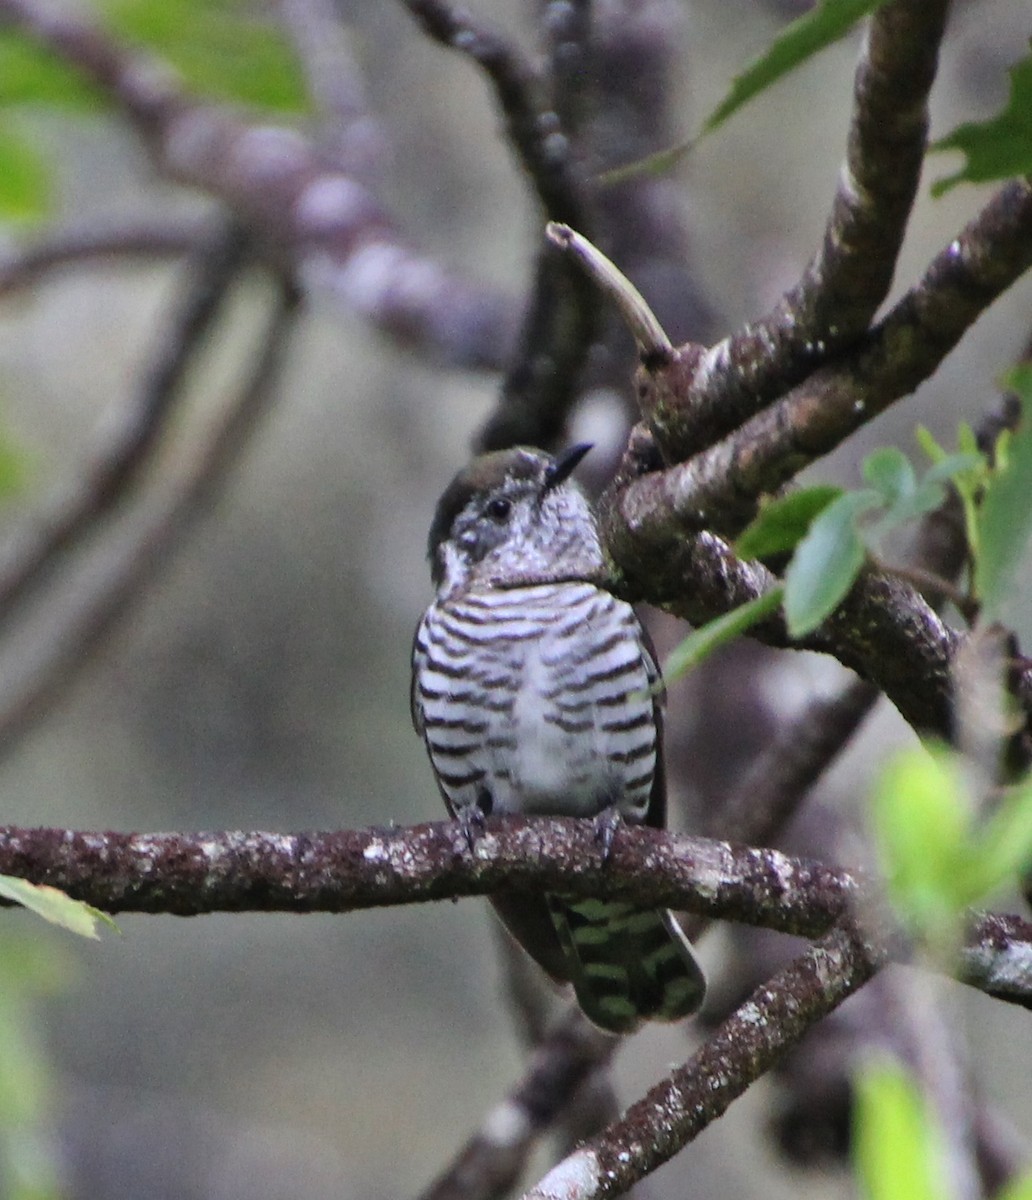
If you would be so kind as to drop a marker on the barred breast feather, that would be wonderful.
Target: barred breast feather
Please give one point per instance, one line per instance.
(537, 700)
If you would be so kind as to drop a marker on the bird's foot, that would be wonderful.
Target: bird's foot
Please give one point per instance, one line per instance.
(471, 819)
(607, 822)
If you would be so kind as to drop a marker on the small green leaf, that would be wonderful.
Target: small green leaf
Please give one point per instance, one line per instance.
(55, 906)
(782, 522)
(24, 179)
(926, 440)
(826, 562)
(1005, 520)
(1018, 1189)
(999, 148)
(221, 47)
(921, 821)
(889, 472)
(967, 479)
(951, 465)
(829, 21)
(826, 23)
(13, 469)
(661, 162)
(702, 642)
(898, 1148)
(1000, 850)
(30, 74)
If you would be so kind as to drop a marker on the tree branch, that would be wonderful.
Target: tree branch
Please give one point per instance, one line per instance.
(119, 465)
(752, 1040)
(312, 221)
(849, 277)
(720, 485)
(145, 549)
(490, 1163)
(540, 384)
(74, 245)
(348, 870)
(350, 135)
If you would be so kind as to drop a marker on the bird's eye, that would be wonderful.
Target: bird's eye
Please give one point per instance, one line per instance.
(499, 508)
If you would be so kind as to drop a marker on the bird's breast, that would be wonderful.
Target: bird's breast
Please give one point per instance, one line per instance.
(555, 678)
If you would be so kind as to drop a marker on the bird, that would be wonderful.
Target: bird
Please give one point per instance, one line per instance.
(536, 692)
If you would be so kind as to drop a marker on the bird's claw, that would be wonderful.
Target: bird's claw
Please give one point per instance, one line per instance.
(471, 821)
(606, 824)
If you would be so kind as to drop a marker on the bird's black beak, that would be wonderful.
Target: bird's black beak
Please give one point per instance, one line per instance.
(563, 465)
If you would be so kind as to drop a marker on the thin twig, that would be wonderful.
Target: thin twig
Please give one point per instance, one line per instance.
(145, 550)
(118, 466)
(132, 240)
(567, 26)
(534, 132)
(653, 344)
(540, 384)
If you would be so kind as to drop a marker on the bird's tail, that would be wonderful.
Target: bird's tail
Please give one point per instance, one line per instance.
(627, 964)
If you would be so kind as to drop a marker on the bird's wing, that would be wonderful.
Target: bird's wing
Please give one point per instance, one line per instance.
(418, 661)
(656, 814)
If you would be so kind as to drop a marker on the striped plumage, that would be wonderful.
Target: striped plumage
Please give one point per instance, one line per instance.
(533, 688)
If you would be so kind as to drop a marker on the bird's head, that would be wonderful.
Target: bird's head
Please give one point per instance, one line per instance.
(514, 517)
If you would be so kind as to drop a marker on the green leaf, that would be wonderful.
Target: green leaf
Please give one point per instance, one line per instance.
(55, 906)
(702, 642)
(24, 179)
(13, 471)
(782, 521)
(823, 25)
(819, 28)
(889, 472)
(1005, 519)
(999, 148)
(937, 860)
(221, 48)
(898, 1148)
(921, 821)
(30, 74)
(826, 562)
(968, 480)
(1000, 850)
(1018, 1189)
(926, 440)
(950, 466)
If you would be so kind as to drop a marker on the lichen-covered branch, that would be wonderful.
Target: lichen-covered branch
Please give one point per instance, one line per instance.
(719, 486)
(849, 277)
(191, 874)
(884, 629)
(746, 1045)
(188, 875)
